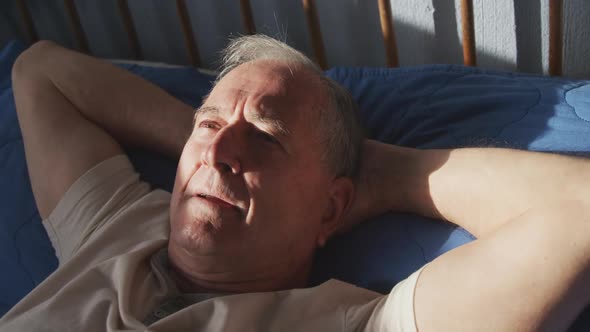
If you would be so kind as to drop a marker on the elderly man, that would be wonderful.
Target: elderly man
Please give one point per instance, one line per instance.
(268, 171)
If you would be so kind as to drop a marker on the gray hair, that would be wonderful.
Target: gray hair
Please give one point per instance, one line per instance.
(340, 129)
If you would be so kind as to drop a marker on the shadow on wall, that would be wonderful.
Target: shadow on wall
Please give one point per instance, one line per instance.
(351, 32)
(529, 42)
(527, 18)
(445, 37)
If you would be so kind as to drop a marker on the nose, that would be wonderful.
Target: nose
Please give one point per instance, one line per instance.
(222, 153)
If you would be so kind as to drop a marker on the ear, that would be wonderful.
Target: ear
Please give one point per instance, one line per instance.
(341, 196)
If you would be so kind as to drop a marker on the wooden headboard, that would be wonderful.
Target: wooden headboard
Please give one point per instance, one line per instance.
(387, 24)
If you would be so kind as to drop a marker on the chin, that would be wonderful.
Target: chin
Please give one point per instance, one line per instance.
(203, 232)
(193, 234)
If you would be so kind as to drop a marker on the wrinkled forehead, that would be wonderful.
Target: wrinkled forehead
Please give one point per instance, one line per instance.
(270, 84)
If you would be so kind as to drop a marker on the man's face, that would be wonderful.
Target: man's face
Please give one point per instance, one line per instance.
(251, 189)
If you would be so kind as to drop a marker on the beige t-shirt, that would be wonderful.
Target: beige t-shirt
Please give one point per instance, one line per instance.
(109, 231)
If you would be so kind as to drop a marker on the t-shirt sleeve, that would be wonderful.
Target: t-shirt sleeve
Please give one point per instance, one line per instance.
(91, 201)
(391, 313)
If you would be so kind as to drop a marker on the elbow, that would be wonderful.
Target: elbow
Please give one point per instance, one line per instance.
(29, 74)
(31, 60)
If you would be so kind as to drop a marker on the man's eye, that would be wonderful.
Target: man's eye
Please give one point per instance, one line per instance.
(209, 125)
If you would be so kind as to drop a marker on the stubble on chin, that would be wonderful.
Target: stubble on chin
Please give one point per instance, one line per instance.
(197, 236)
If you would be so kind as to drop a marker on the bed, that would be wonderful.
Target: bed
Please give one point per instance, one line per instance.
(429, 106)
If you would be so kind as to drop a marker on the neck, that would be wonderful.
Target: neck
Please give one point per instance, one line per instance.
(209, 274)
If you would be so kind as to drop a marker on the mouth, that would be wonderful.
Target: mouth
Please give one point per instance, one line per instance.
(217, 201)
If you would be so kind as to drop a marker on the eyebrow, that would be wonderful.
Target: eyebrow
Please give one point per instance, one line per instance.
(277, 125)
(205, 110)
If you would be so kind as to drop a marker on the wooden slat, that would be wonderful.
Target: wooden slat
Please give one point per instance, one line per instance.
(247, 18)
(76, 25)
(388, 33)
(555, 37)
(27, 21)
(313, 26)
(187, 31)
(469, 58)
(129, 28)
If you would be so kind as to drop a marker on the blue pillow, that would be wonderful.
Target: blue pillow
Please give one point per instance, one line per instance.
(447, 106)
(426, 107)
(26, 255)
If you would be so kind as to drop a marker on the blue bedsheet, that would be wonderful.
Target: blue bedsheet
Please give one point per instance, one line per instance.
(427, 107)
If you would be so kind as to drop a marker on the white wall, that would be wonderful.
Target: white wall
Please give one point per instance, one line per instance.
(510, 34)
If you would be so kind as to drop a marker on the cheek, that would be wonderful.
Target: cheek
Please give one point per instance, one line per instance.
(309, 182)
(189, 162)
(187, 165)
(300, 205)
(295, 195)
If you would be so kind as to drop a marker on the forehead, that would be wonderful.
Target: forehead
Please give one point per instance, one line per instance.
(269, 87)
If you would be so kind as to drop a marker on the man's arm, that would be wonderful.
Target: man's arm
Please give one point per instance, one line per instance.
(529, 268)
(75, 110)
(532, 274)
(479, 189)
